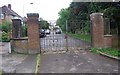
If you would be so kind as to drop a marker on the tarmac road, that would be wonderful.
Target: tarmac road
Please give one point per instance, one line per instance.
(82, 61)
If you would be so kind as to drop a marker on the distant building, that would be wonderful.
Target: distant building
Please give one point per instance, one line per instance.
(7, 14)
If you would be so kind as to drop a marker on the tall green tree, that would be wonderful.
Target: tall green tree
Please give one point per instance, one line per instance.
(80, 11)
(63, 16)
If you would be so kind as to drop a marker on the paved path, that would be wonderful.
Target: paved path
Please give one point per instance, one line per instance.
(4, 47)
(28, 65)
(77, 62)
(18, 63)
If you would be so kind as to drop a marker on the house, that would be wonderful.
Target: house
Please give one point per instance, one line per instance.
(7, 14)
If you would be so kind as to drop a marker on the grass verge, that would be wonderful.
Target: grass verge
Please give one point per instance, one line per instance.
(108, 51)
(37, 64)
(81, 37)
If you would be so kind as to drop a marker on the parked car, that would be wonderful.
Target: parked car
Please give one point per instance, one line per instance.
(42, 33)
(58, 31)
(47, 31)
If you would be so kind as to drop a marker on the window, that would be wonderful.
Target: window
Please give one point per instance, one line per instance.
(1, 16)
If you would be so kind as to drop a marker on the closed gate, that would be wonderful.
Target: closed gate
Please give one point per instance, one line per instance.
(53, 42)
(62, 42)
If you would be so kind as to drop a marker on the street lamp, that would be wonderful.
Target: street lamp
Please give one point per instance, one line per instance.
(24, 8)
(24, 18)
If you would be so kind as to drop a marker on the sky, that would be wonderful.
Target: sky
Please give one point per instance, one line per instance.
(47, 9)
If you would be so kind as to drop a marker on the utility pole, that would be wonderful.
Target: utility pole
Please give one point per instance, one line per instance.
(66, 26)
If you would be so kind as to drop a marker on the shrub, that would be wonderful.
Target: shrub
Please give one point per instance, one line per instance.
(24, 30)
(6, 26)
(4, 37)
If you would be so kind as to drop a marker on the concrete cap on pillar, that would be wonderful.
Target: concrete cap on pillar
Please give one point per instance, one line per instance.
(101, 14)
(16, 19)
(32, 15)
(92, 16)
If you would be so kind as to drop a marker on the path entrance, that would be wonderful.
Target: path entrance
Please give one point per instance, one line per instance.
(61, 42)
(53, 42)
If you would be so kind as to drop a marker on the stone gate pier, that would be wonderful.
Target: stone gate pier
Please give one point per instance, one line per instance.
(33, 33)
(99, 40)
(30, 44)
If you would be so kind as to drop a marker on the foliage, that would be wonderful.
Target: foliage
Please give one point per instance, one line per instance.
(94, 50)
(4, 37)
(6, 26)
(44, 24)
(82, 10)
(81, 36)
(63, 16)
(87, 27)
(109, 51)
(113, 14)
(24, 30)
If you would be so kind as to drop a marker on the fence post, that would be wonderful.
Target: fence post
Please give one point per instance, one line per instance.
(66, 38)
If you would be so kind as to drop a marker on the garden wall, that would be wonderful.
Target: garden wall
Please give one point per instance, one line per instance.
(20, 45)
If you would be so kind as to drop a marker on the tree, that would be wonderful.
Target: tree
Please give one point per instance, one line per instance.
(63, 16)
(80, 11)
(44, 24)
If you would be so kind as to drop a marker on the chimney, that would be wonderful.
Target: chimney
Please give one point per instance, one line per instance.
(9, 6)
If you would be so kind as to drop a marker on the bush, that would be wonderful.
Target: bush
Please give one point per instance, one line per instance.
(6, 26)
(24, 30)
(4, 37)
(87, 27)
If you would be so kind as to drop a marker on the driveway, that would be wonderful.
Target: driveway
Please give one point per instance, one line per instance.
(14, 62)
(82, 61)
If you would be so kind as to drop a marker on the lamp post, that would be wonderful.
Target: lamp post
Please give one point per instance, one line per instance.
(24, 8)
(24, 19)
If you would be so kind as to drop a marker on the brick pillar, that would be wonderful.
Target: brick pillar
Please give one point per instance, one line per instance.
(16, 28)
(97, 30)
(33, 33)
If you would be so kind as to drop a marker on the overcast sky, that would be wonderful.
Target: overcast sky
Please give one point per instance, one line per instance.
(47, 9)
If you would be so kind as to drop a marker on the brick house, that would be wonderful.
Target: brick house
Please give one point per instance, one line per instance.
(7, 14)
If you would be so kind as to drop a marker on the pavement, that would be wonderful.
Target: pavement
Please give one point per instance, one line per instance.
(14, 62)
(28, 65)
(4, 47)
(82, 61)
(18, 63)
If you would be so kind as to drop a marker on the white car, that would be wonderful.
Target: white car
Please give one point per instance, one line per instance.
(47, 31)
(58, 31)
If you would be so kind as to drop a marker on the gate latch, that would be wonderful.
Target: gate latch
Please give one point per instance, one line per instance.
(65, 36)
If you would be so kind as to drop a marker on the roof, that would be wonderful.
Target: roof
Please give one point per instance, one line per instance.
(6, 10)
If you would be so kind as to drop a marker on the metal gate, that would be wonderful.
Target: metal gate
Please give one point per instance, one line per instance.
(79, 34)
(53, 42)
(63, 42)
